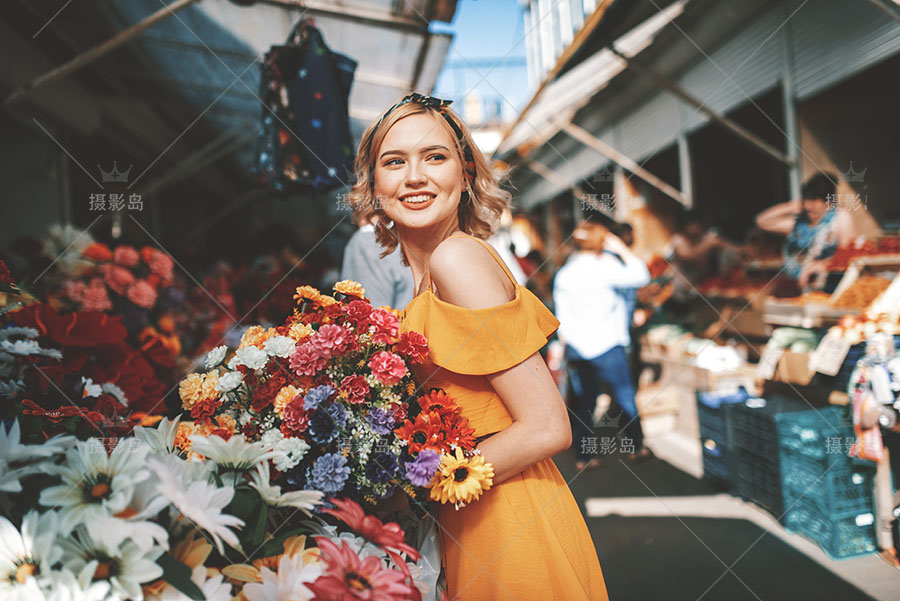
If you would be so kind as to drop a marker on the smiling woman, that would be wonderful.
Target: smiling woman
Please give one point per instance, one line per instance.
(436, 196)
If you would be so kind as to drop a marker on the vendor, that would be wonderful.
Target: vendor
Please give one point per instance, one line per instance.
(693, 253)
(815, 227)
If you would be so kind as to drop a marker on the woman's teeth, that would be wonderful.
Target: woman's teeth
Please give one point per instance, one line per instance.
(418, 199)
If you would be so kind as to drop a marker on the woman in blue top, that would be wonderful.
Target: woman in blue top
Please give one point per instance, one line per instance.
(815, 228)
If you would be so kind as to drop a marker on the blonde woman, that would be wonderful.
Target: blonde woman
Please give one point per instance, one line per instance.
(437, 198)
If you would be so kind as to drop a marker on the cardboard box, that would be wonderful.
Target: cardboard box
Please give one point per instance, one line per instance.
(794, 368)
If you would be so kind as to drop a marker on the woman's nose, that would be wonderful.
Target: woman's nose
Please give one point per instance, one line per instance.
(416, 173)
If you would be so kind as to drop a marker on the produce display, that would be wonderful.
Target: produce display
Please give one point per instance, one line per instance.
(862, 292)
(887, 245)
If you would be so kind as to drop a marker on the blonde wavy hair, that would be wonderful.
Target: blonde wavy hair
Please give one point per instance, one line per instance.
(481, 204)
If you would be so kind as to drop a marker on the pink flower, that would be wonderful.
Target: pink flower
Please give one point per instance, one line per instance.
(142, 294)
(413, 345)
(332, 340)
(160, 263)
(95, 298)
(117, 278)
(357, 388)
(386, 326)
(387, 368)
(126, 255)
(307, 360)
(359, 311)
(349, 578)
(295, 418)
(74, 290)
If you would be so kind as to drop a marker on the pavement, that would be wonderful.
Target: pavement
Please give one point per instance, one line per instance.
(662, 532)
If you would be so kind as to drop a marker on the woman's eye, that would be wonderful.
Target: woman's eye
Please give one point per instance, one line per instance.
(392, 161)
(437, 156)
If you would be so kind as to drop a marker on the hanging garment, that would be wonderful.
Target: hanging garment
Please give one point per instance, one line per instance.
(304, 136)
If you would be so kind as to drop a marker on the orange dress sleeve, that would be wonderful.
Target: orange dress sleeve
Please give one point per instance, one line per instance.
(483, 341)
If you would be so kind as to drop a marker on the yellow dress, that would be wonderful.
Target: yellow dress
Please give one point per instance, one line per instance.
(525, 538)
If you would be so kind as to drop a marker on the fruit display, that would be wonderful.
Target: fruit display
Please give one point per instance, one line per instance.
(857, 328)
(886, 245)
(861, 293)
(815, 297)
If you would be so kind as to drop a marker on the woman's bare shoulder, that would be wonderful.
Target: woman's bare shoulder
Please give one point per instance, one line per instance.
(468, 275)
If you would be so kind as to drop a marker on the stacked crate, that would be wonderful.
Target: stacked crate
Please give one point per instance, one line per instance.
(827, 495)
(715, 434)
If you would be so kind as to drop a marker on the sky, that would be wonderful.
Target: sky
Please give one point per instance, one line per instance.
(486, 31)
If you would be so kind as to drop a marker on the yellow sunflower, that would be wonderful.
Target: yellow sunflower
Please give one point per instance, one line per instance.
(350, 288)
(461, 479)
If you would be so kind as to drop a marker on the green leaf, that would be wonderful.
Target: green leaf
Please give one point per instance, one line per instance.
(256, 531)
(179, 575)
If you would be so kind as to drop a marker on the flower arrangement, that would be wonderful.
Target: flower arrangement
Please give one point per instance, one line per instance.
(134, 518)
(333, 392)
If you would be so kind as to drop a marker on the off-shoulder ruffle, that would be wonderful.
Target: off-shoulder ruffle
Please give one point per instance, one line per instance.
(481, 341)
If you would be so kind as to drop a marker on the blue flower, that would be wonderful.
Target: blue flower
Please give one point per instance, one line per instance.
(338, 415)
(420, 471)
(382, 468)
(316, 396)
(329, 473)
(380, 420)
(322, 428)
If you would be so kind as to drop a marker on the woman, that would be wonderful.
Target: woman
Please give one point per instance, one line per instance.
(815, 227)
(525, 538)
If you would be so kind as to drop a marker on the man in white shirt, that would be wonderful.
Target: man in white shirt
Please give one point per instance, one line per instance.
(386, 280)
(594, 327)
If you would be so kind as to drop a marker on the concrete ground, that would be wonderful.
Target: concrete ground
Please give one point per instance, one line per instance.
(662, 532)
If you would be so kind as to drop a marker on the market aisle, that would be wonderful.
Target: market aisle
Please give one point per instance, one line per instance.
(660, 556)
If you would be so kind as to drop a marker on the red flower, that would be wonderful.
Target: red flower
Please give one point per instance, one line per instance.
(423, 433)
(438, 401)
(387, 368)
(95, 297)
(388, 536)
(356, 387)
(386, 326)
(97, 251)
(126, 255)
(358, 311)
(264, 394)
(414, 346)
(81, 328)
(399, 412)
(334, 311)
(159, 262)
(205, 408)
(5, 275)
(349, 578)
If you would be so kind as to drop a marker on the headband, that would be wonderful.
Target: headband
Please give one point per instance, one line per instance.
(440, 105)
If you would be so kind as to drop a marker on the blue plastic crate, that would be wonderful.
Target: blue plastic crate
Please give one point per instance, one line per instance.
(840, 538)
(758, 479)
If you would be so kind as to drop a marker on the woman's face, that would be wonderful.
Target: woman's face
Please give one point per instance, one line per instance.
(418, 174)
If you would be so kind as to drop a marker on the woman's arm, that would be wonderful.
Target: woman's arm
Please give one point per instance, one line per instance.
(779, 218)
(468, 276)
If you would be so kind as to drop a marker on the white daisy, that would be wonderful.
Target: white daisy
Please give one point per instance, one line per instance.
(304, 500)
(197, 500)
(252, 357)
(229, 381)
(160, 439)
(215, 356)
(288, 452)
(126, 567)
(91, 389)
(279, 346)
(214, 588)
(289, 582)
(14, 456)
(21, 347)
(27, 555)
(11, 388)
(234, 454)
(94, 484)
(66, 586)
(118, 393)
(7, 333)
(134, 522)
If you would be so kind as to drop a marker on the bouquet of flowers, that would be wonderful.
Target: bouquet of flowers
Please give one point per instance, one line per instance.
(133, 518)
(332, 392)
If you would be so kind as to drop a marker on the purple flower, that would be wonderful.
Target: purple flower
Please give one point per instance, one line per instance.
(329, 473)
(420, 471)
(381, 421)
(316, 396)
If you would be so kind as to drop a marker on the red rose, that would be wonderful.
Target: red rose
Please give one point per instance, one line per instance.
(358, 311)
(386, 326)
